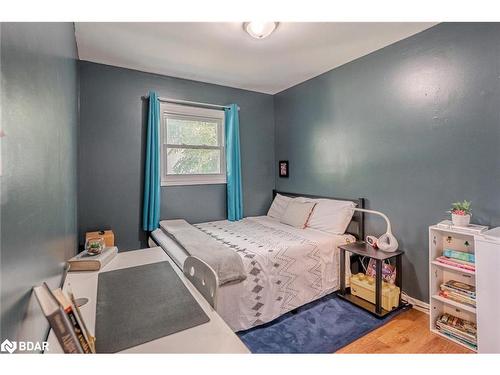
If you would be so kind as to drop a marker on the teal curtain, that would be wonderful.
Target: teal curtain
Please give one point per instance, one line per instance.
(233, 164)
(151, 208)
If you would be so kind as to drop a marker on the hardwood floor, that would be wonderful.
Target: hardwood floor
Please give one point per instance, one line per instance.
(407, 333)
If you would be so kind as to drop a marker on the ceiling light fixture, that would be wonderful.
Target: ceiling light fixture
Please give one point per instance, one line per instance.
(260, 30)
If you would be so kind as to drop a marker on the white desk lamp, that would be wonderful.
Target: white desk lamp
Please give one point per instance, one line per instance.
(387, 242)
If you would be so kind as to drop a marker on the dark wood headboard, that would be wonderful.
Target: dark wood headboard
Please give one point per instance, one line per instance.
(356, 226)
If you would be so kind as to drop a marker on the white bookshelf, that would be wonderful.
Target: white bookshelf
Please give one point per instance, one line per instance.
(439, 239)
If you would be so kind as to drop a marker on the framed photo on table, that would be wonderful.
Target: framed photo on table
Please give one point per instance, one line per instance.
(283, 168)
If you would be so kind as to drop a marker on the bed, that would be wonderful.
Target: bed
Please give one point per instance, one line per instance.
(285, 267)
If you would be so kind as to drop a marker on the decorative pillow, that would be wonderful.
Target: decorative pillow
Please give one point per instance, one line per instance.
(330, 215)
(297, 214)
(278, 207)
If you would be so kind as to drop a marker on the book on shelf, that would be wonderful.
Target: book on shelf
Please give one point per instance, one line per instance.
(457, 328)
(457, 297)
(90, 338)
(65, 319)
(460, 287)
(86, 262)
(453, 263)
(472, 228)
(456, 332)
(456, 293)
(464, 326)
(58, 320)
(463, 262)
(69, 309)
(459, 255)
(472, 345)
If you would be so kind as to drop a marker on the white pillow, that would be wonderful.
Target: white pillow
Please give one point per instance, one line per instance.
(330, 215)
(278, 207)
(297, 214)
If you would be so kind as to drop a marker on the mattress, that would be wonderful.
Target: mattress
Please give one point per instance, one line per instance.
(286, 267)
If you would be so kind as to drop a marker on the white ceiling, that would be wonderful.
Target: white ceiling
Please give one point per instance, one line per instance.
(222, 53)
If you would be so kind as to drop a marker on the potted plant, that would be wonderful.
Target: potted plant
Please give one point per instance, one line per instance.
(461, 213)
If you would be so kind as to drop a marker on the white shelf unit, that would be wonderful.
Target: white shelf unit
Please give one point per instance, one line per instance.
(439, 239)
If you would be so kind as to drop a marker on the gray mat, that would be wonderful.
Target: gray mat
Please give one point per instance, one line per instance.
(140, 304)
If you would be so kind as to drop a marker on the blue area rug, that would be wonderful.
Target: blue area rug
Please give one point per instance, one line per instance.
(322, 326)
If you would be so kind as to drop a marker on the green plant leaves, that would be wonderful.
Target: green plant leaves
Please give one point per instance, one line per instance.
(464, 206)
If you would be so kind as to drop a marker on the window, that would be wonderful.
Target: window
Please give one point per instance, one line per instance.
(192, 149)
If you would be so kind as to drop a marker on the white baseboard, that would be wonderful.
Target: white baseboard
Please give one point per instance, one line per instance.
(417, 304)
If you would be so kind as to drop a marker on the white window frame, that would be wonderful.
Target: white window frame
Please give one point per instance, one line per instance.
(172, 109)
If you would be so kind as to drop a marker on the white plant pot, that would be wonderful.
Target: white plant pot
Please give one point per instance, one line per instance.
(460, 220)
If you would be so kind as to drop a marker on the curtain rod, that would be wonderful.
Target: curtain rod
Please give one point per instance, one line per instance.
(187, 102)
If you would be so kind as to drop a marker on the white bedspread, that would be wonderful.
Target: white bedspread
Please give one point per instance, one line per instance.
(286, 268)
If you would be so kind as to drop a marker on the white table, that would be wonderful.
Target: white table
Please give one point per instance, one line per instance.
(212, 337)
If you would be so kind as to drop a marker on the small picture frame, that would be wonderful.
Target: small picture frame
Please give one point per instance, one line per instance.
(283, 168)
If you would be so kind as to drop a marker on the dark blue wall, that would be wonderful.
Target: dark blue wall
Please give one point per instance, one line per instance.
(111, 142)
(412, 127)
(39, 104)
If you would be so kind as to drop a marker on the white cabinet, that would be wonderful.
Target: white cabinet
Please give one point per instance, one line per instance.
(488, 291)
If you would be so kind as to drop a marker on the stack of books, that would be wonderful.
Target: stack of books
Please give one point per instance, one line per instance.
(458, 329)
(458, 259)
(65, 320)
(459, 292)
